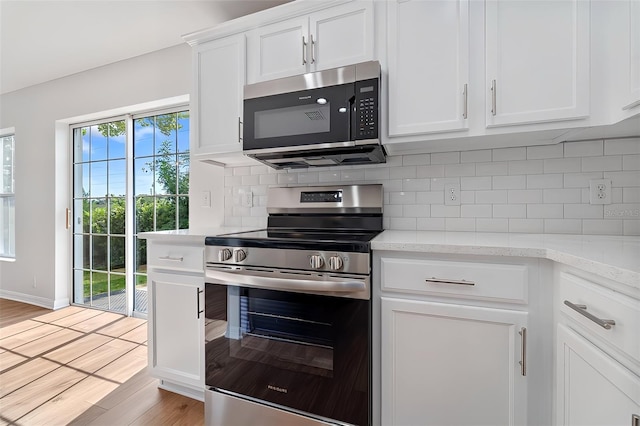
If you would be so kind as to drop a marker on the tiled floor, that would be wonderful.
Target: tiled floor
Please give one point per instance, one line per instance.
(57, 365)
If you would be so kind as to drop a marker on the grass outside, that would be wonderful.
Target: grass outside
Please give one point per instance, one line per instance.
(100, 284)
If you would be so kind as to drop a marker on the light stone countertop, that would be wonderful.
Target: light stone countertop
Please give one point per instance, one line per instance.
(191, 236)
(613, 257)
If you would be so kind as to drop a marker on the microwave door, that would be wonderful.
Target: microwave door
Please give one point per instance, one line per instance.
(308, 117)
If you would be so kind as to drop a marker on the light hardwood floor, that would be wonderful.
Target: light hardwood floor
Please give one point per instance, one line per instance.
(82, 367)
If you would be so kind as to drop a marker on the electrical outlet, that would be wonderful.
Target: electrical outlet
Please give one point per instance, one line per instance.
(205, 199)
(246, 199)
(452, 194)
(600, 191)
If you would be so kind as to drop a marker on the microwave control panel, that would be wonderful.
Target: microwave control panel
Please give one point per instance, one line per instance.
(366, 109)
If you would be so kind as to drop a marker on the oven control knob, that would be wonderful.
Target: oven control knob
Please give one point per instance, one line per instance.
(335, 263)
(224, 254)
(239, 255)
(316, 261)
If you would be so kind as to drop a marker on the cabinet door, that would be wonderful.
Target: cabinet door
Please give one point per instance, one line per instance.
(218, 84)
(428, 51)
(278, 50)
(634, 54)
(537, 61)
(451, 364)
(176, 328)
(341, 35)
(592, 388)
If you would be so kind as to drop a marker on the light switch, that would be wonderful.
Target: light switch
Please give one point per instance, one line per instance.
(205, 199)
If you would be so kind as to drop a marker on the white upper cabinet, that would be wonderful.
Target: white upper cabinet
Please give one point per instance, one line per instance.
(537, 61)
(634, 55)
(329, 38)
(219, 77)
(428, 66)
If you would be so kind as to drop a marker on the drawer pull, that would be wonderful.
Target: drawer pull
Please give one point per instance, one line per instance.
(582, 310)
(172, 259)
(435, 280)
(523, 351)
(635, 420)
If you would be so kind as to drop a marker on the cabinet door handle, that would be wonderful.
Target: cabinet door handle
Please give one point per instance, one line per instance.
(582, 310)
(304, 51)
(313, 49)
(493, 97)
(68, 217)
(239, 130)
(465, 102)
(172, 259)
(198, 302)
(435, 280)
(523, 351)
(635, 420)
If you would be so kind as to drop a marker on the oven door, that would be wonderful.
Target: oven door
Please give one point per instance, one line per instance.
(294, 119)
(300, 352)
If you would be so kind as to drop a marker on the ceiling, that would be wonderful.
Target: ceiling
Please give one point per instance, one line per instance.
(42, 40)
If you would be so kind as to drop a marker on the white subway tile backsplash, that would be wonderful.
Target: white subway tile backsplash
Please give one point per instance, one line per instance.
(497, 168)
(543, 211)
(416, 160)
(602, 227)
(475, 156)
(528, 226)
(452, 170)
(508, 154)
(430, 224)
(445, 158)
(562, 165)
(524, 196)
(474, 183)
(525, 189)
(491, 197)
(562, 226)
(509, 182)
(545, 181)
(546, 151)
(584, 148)
(631, 162)
(601, 164)
(622, 146)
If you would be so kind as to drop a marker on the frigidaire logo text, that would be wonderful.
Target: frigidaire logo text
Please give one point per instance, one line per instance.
(304, 97)
(277, 389)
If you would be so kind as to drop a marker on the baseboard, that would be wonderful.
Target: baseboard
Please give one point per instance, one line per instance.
(187, 391)
(34, 300)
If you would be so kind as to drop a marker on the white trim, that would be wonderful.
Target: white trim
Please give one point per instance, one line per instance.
(34, 300)
(7, 131)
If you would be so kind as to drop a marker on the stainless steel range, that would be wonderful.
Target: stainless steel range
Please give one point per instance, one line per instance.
(288, 311)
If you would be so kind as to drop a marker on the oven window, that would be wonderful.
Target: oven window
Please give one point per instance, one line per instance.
(295, 120)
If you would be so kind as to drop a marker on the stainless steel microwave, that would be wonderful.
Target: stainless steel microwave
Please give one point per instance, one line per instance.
(324, 118)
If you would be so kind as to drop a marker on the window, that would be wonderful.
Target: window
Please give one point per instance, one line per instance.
(7, 199)
(145, 179)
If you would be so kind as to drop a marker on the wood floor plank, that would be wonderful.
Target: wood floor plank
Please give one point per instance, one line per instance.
(77, 348)
(12, 312)
(23, 374)
(94, 323)
(123, 368)
(28, 336)
(76, 318)
(126, 390)
(18, 328)
(47, 342)
(121, 327)
(98, 358)
(34, 394)
(172, 409)
(138, 334)
(9, 359)
(71, 403)
(58, 314)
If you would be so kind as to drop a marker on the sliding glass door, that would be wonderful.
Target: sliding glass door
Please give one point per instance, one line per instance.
(130, 175)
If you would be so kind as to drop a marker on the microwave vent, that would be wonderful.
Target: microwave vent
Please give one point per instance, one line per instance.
(314, 115)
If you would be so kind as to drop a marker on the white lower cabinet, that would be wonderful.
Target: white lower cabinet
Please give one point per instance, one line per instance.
(593, 389)
(452, 364)
(176, 319)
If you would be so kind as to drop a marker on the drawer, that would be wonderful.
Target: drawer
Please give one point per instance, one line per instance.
(175, 256)
(492, 281)
(602, 304)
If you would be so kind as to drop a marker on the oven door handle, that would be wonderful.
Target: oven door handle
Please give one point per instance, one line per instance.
(242, 279)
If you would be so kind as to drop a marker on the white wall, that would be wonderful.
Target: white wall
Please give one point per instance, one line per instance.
(40, 115)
